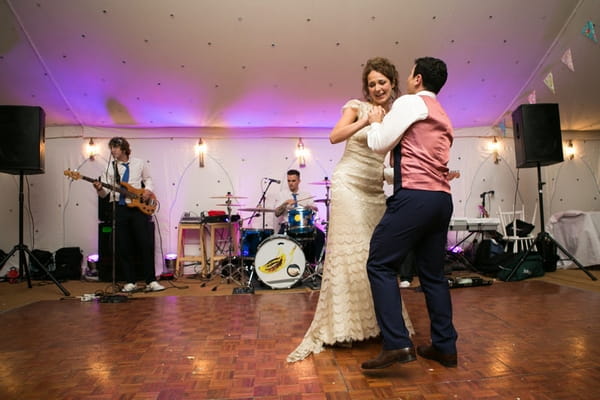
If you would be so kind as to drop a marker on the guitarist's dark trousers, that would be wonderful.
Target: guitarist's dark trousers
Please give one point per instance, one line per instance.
(134, 238)
(418, 220)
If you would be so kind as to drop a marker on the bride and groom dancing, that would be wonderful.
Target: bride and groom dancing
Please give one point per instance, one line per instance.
(357, 303)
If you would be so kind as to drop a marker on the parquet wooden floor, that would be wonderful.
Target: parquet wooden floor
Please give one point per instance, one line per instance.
(522, 340)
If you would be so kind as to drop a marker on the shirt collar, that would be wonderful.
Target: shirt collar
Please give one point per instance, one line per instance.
(427, 93)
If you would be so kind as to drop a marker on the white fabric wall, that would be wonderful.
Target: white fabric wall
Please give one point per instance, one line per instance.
(60, 213)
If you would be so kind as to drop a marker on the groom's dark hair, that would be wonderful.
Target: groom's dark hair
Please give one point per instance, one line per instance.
(433, 71)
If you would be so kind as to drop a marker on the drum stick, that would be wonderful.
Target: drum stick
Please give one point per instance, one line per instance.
(306, 198)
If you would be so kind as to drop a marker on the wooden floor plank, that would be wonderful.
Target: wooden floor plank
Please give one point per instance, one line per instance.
(526, 340)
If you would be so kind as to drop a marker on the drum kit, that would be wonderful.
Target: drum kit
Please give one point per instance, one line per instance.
(279, 260)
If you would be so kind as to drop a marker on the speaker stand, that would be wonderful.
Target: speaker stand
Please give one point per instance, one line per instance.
(545, 236)
(22, 249)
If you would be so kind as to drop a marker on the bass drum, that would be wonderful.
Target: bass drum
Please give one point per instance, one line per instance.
(279, 262)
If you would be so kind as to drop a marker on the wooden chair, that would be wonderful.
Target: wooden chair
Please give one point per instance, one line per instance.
(514, 242)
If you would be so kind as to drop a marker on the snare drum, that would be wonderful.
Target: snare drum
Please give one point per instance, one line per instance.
(251, 239)
(279, 262)
(300, 220)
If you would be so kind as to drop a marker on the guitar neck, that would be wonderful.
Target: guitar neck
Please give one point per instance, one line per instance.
(119, 189)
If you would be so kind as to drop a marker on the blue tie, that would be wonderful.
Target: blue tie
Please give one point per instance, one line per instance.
(125, 178)
(295, 196)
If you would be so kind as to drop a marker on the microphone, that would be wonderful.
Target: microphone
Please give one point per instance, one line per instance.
(273, 180)
(482, 195)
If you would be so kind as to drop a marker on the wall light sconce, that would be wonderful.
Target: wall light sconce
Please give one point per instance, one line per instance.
(301, 153)
(570, 150)
(91, 149)
(200, 152)
(494, 147)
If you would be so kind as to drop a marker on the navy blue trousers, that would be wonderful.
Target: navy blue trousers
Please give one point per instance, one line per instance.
(417, 220)
(134, 239)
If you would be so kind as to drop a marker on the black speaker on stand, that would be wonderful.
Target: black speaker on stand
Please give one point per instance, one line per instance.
(22, 152)
(538, 142)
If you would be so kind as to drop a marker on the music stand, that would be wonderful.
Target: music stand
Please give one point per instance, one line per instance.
(22, 248)
(545, 236)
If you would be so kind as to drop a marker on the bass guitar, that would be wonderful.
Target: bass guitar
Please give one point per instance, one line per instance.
(148, 207)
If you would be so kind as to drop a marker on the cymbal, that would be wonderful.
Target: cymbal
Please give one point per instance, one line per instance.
(229, 205)
(257, 209)
(229, 196)
(323, 182)
(322, 200)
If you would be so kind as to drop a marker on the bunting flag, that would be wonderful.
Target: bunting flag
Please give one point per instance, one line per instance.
(502, 126)
(549, 81)
(589, 31)
(531, 98)
(567, 59)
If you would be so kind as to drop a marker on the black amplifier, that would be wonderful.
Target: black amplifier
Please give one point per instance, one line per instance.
(207, 219)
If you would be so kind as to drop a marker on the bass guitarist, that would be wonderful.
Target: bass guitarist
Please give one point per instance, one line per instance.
(133, 230)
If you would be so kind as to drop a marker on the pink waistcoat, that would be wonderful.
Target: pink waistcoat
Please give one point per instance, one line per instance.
(425, 149)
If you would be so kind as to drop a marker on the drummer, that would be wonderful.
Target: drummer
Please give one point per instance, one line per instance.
(289, 199)
(293, 198)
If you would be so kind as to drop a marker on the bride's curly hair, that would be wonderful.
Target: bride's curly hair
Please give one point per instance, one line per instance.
(384, 67)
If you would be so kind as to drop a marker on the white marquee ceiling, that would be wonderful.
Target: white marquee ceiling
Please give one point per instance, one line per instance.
(283, 63)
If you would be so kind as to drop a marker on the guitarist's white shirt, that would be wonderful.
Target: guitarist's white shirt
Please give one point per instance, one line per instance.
(138, 173)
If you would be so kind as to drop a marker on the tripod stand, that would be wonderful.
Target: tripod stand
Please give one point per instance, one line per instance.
(22, 249)
(544, 236)
(228, 270)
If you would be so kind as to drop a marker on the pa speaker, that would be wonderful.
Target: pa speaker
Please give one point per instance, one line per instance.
(537, 135)
(22, 140)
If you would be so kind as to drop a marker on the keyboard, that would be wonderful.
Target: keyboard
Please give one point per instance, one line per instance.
(474, 224)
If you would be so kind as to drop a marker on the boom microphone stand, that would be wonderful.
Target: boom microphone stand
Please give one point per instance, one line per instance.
(544, 236)
(22, 249)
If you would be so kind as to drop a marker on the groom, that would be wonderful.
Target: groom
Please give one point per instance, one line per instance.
(419, 134)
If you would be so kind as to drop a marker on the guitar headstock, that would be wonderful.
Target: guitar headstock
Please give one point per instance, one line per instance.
(72, 174)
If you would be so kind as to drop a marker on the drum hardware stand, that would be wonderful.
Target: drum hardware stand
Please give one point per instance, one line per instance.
(229, 267)
(22, 248)
(247, 288)
(545, 236)
(317, 268)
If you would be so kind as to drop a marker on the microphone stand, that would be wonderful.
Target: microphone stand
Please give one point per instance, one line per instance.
(261, 203)
(113, 195)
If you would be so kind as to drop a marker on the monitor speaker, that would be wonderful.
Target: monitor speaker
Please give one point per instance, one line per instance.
(537, 135)
(22, 140)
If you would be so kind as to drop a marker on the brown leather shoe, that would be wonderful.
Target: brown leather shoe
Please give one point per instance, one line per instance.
(388, 357)
(431, 353)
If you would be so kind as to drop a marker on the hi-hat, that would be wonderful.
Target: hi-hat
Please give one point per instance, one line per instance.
(257, 209)
(228, 196)
(323, 182)
(229, 205)
(322, 200)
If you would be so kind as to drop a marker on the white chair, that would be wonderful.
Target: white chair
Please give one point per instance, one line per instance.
(514, 242)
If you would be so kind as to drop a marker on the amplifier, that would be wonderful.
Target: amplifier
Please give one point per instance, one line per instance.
(219, 218)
